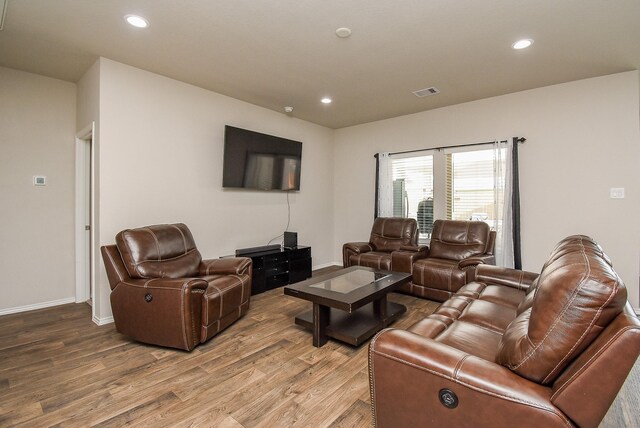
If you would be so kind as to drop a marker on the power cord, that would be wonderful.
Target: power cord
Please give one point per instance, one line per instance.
(288, 221)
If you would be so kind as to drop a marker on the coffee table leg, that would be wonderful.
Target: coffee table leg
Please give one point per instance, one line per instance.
(380, 310)
(320, 321)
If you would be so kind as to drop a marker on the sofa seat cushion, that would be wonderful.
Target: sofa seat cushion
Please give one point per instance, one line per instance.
(225, 294)
(441, 274)
(506, 296)
(373, 259)
(469, 324)
(465, 336)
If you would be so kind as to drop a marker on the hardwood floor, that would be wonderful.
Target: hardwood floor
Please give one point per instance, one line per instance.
(57, 368)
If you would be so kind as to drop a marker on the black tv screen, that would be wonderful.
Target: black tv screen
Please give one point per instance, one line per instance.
(259, 161)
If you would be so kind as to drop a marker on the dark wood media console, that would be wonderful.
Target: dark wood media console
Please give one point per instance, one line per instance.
(275, 268)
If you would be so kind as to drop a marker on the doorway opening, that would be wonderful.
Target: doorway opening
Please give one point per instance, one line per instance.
(85, 235)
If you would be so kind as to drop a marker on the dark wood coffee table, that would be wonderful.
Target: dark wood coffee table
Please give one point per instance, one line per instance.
(349, 305)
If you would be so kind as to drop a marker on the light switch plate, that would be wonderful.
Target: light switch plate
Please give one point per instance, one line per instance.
(617, 193)
(39, 180)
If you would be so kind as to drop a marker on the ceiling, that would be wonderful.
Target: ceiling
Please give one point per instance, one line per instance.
(285, 52)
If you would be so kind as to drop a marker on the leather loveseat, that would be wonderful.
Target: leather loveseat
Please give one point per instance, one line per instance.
(513, 348)
(393, 245)
(163, 293)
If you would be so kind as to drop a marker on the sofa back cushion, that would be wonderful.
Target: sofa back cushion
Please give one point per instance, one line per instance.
(576, 296)
(160, 251)
(458, 240)
(390, 233)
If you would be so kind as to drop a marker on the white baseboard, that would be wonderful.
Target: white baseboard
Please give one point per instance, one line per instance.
(37, 306)
(324, 265)
(102, 321)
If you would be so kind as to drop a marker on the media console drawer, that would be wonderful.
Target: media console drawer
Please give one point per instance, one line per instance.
(275, 268)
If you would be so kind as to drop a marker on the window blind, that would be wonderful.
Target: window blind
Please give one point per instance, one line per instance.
(471, 186)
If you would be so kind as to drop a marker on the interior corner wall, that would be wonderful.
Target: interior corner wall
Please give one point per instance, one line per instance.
(161, 151)
(37, 123)
(583, 138)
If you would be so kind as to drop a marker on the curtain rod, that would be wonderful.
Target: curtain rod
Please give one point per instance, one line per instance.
(518, 139)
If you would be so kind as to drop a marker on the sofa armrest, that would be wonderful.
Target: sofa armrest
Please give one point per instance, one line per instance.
(409, 374)
(352, 248)
(514, 278)
(226, 266)
(402, 260)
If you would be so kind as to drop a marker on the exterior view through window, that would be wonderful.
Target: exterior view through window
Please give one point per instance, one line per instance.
(474, 187)
(413, 191)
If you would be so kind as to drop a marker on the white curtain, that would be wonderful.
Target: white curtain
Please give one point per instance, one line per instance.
(503, 185)
(385, 186)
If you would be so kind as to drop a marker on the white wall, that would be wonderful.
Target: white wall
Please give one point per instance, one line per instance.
(583, 138)
(161, 148)
(37, 128)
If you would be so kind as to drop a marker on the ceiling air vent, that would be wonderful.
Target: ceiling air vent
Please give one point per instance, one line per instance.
(426, 92)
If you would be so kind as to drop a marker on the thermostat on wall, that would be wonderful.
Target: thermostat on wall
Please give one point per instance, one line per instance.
(39, 180)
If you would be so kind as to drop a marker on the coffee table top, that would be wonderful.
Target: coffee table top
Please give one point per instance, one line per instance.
(348, 289)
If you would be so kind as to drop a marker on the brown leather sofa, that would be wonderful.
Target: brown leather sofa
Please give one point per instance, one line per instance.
(513, 349)
(388, 236)
(456, 248)
(163, 293)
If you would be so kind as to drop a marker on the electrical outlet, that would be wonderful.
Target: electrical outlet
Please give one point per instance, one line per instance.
(617, 193)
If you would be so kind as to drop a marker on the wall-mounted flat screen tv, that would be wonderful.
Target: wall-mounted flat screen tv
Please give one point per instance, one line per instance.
(259, 161)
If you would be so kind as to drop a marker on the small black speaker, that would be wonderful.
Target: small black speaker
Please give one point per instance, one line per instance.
(290, 240)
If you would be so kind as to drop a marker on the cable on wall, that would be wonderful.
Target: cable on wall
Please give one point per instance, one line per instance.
(288, 221)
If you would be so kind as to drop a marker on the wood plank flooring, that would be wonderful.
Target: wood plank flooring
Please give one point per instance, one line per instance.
(57, 368)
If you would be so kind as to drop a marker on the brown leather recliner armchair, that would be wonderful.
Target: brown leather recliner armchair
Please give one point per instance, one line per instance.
(163, 293)
(513, 349)
(388, 236)
(456, 248)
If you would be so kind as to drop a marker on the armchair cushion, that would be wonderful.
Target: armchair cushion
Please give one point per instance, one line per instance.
(390, 233)
(160, 251)
(458, 240)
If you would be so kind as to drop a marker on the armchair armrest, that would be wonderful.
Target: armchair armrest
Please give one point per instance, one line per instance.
(402, 260)
(351, 248)
(358, 247)
(226, 266)
(476, 260)
(408, 374)
(416, 248)
(514, 278)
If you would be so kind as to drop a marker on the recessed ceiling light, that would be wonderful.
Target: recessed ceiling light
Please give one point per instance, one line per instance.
(343, 32)
(326, 100)
(522, 44)
(137, 21)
